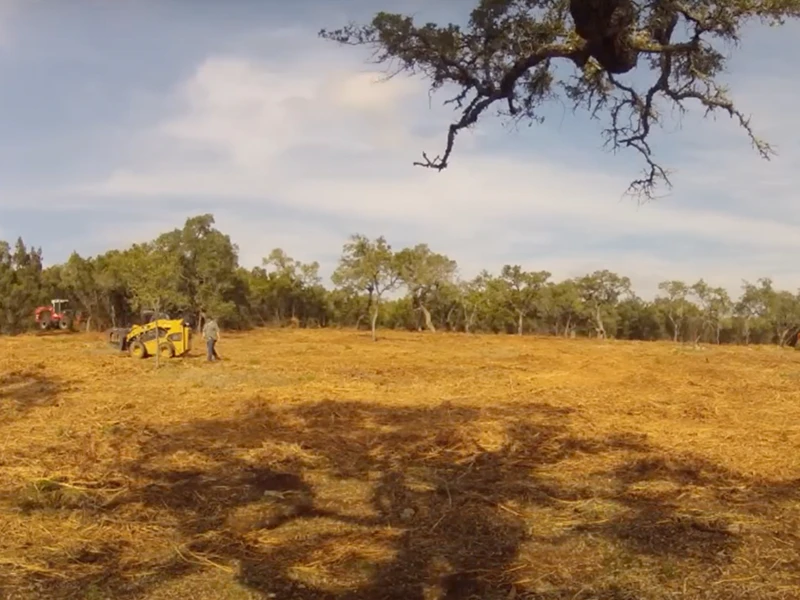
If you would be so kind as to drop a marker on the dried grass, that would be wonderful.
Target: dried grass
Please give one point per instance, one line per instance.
(316, 464)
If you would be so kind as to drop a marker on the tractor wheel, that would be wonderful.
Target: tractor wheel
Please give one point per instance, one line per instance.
(137, 349)
(44, 321)
(166, 350)
(64, 324)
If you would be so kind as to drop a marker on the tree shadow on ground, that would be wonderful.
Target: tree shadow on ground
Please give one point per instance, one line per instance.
(23, 390)
(418, 473)
(359, 501)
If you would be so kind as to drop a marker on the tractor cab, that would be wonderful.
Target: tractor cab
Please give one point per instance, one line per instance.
(149, 315)
(59, 305)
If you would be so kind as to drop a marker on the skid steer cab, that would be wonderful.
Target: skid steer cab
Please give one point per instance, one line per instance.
(168, 337)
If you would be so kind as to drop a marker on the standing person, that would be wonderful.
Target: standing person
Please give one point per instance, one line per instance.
(211, 336)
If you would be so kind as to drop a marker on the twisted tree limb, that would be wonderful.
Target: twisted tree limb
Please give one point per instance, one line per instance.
(506, 56)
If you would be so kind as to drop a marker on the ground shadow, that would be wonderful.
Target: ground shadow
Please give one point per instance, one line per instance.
(425, 474)
(25, 389)
(415, 503)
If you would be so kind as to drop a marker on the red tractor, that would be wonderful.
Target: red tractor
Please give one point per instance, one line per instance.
(55, 316)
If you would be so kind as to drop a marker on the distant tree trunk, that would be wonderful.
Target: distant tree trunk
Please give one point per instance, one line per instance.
(598, 326)
(697, 335)
(427, 315)
(747, 331)
(568, 326)
(375, 309)
(675, 329)
(449, 317)
(469, 319)
(520, 322)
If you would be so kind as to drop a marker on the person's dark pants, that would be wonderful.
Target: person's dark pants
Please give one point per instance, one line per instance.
(211, 351)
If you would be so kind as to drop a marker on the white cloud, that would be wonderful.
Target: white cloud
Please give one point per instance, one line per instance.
(319, 136)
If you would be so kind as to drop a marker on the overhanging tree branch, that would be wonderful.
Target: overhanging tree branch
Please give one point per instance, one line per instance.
(508, 52)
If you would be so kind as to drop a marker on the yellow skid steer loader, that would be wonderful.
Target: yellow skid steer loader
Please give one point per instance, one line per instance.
(168, 337)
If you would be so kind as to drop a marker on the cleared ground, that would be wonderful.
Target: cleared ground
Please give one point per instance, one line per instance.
(317, 464)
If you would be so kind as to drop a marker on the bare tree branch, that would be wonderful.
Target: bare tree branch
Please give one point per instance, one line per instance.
(510, 51)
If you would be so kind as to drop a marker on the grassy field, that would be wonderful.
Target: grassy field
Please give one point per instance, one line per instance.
(317, 464)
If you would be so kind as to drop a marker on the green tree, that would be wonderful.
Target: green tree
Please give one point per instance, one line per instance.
(785, 310)
(513, 56)
(110, 278)
(498, 314)
(368, 266)
(208, 262)
(638, 320)
(52, 282)
(291, 279)
(600, 293)
(675, 305)
(782, 311)
(348, 306)
(523, 292)
(289, 289)
(473, 297)
(424, 273)
(21, 288)
(79, 279)
(714, 307)
(699, 318)
(720, 311)
(306, 274)
(564, 307)
(447, 305)
(751, 309)
(152, 275)
(6, 285)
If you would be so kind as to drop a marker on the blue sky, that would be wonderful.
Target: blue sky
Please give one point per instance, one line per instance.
(120, 119)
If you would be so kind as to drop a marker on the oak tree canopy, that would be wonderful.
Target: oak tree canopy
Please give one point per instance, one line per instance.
(511, 57)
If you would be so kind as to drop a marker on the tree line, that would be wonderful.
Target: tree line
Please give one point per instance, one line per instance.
(194, 272)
